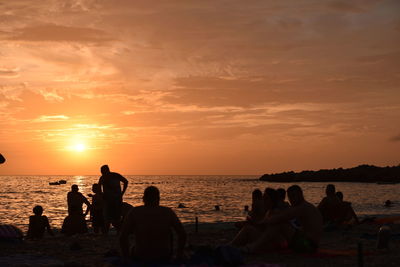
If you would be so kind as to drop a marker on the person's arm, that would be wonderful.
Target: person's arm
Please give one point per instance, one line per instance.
(125, 182)
(86, 201)
(353, 213)
(46, 221)
(284, 216)
(126, 229)
(101, 184)
(180, 231)
(321, 205)
(29, 234)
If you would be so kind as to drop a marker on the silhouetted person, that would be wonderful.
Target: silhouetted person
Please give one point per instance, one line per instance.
(330, 205)
(75, 200)
(110, 183)
(252, 229)
(281, 198)
(38, 223)
(96, 210)
(257, 211)
(75, 222)
(151, 225)
(347, 214)
(2, 159)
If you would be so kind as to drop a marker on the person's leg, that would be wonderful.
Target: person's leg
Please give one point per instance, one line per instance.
(275, 236)
(107, 211)
(247, 234)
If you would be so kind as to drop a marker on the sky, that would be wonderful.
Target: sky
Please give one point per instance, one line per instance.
(198, 87)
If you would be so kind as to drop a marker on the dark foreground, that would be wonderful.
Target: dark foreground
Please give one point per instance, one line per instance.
(96, 250)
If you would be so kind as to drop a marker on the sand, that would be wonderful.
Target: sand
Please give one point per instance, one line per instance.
(96, 250)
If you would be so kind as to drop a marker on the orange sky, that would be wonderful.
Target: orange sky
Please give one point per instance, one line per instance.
(198, 87)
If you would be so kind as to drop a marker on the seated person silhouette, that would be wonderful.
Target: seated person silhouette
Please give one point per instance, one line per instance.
(75, 222)
(330, 206)
(252, 229)
(151, 225)
(347, 214)
(281, 198)
(257, 211)
(38, 223)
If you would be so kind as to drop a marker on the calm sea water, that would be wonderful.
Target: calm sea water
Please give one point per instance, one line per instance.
(19, 194)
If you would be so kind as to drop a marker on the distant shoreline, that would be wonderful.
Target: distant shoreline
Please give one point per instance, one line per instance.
(360, 174)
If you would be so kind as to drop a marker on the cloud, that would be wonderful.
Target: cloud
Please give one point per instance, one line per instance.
(60, 33)
(9, 73)
(50, 118)
(51, 96)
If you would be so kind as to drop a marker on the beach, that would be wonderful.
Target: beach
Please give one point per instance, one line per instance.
(337, 248)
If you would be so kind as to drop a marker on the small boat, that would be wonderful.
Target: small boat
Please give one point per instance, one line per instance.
(62, 182)
(54, 183)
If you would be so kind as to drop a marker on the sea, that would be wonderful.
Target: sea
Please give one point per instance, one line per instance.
(199, 194)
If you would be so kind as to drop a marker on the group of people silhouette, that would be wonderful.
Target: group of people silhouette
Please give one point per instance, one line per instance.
(271, 223)
(151, 223)
(274, 223)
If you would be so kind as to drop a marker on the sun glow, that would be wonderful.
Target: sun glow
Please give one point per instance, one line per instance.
(79, 147)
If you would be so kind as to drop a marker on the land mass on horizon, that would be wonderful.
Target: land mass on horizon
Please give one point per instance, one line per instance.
(362, 173)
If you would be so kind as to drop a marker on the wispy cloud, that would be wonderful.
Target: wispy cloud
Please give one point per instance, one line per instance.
(51, 118)
(60, 33)
(9, 72)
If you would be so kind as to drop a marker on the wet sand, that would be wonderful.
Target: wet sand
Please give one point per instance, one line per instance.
(97, 250)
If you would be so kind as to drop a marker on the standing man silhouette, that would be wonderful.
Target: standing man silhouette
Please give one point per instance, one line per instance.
(110, 185)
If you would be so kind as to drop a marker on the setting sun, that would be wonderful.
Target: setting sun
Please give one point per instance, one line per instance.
(79, 147)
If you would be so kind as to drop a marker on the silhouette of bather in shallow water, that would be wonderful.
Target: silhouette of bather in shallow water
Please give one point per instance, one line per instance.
(38, 224)
(75, 222)
(151, 225)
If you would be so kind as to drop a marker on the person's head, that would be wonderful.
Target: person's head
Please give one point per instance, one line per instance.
(151, 196)
(270, 198)
(330, 190)
(257, 194)
(281, 194)
(339, 195)
(295, 195)
(104, 169)
(96, 188)
(38, 210)
(74, 188)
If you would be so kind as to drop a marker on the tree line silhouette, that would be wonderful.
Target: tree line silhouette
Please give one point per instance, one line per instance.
(362, 173)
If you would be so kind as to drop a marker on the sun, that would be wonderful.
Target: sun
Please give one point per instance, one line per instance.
(80, 147)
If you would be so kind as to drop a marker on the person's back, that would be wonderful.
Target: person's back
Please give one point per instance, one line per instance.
(310, 220)
(152, 227)
(75, 200)
(330, 205)
(38, 224)
(153, 231)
